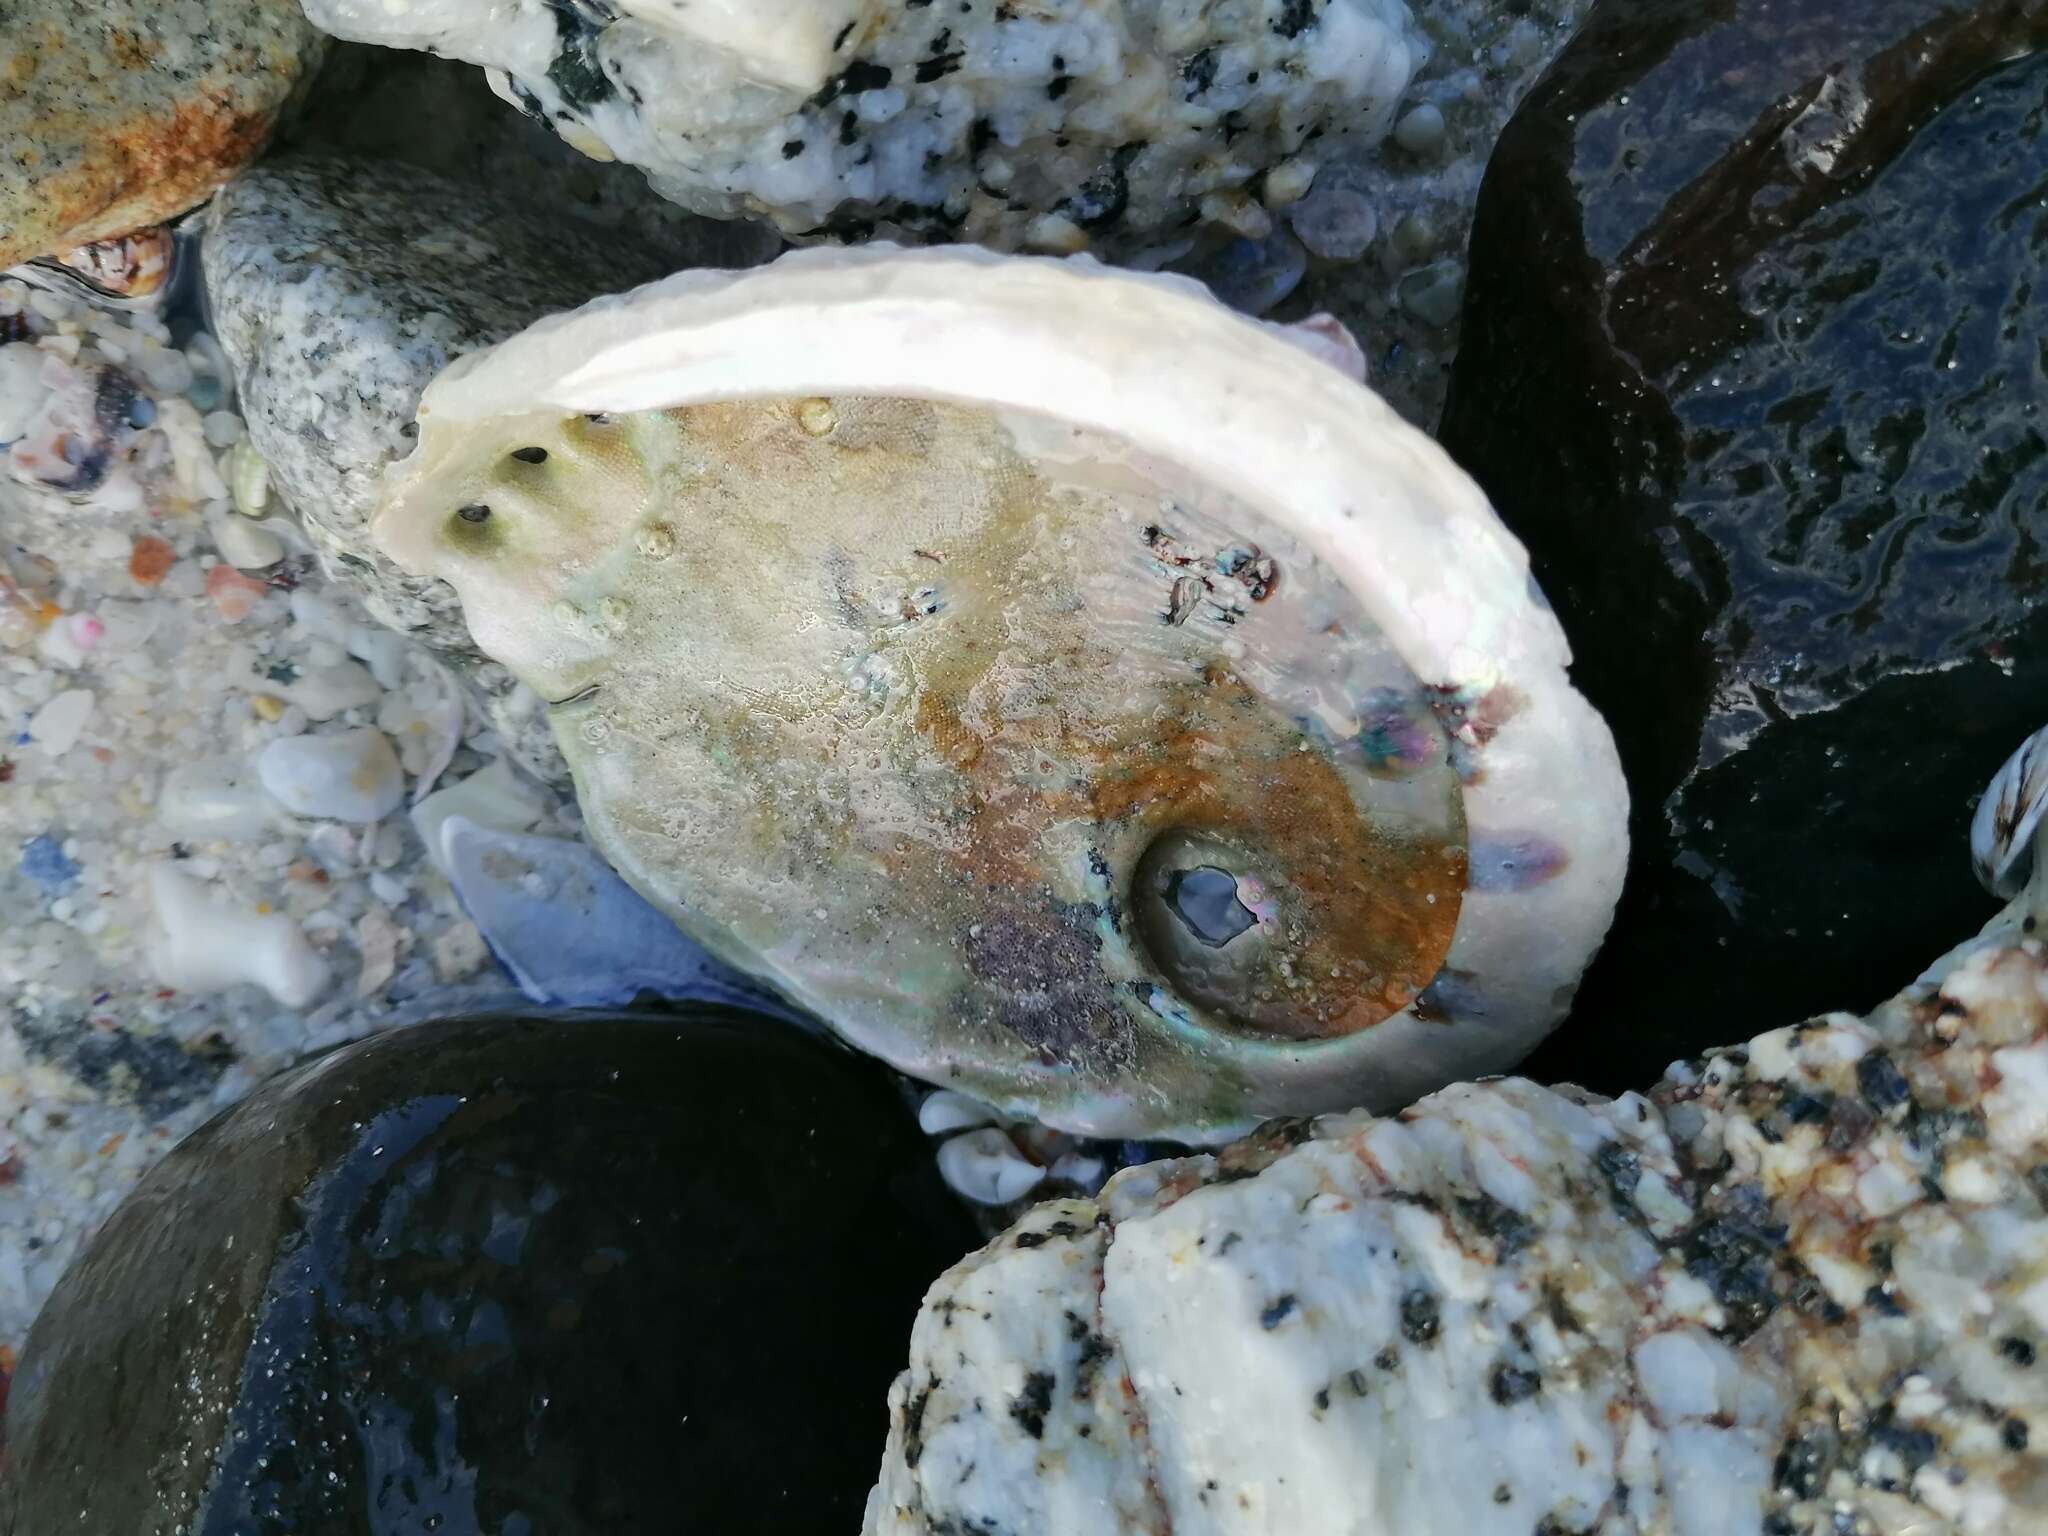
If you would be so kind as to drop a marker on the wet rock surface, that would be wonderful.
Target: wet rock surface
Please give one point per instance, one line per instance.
(497, 1275)
(121, 114)
(1752, 362)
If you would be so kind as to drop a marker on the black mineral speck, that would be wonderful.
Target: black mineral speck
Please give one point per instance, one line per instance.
(1513, 1384)
(1510, 1230)
(1419, 1316)
(1914, 1446)
(2016, 1349)
(1805, 1459)
(1032, 1404)
(576, 71)
(1622, 1167)
(1095, 1349)
(1103, 197)
(1880, 1081)
(1295, 18)
(861, 75)
(1273, 1316)
(1734, 1248)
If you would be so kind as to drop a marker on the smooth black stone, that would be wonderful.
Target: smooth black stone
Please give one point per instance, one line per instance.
(1751, 360)
(492, 1277)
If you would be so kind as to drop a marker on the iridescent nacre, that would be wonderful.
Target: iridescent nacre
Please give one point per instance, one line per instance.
(1070, 690)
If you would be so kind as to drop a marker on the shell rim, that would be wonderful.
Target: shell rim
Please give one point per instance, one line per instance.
(1155, 359)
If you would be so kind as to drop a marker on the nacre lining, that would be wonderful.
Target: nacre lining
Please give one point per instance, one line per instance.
(1113, 658)
(992, 681)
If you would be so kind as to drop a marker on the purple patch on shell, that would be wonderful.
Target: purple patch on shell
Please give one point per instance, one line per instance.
(1513, 864)
(1390, 735)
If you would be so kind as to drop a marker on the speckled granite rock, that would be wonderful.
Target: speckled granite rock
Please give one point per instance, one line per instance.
(1794, 1290)
(577, 1277)
(1752, 363)
(339, 288)
(122, 113)
(1057, 125)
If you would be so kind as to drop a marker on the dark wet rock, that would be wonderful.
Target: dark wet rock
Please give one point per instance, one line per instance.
(393, 105)
(1752, 358)
(591, 1274)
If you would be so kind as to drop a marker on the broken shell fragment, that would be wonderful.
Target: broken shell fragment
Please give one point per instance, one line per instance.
(1126, 720)
(2002, 833)
(135, 272)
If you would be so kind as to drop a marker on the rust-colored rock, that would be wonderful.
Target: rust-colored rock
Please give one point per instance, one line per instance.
(125, 113)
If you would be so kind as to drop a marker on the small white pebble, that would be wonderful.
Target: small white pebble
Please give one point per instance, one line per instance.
(223, 429)
(383, 650)
(949, 1111)
(326, 691)
(1421, 132)
(349, 776)
(167, 373)
(459, 950)
(986, 1167)
(216, 797)
(246, 545)
(248, 478)
(21, 388)
(57, 725)
(1286, 182)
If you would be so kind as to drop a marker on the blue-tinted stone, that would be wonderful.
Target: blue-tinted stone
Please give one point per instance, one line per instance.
(572, 933)
(43, 861)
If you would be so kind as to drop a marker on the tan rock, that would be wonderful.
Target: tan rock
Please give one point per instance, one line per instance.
(124, 113)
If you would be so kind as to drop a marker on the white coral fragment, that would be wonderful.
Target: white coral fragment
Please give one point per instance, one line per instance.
(200, 944)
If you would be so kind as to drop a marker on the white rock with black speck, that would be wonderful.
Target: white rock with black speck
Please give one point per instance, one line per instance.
(1794, 1290)
(1054, 126)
